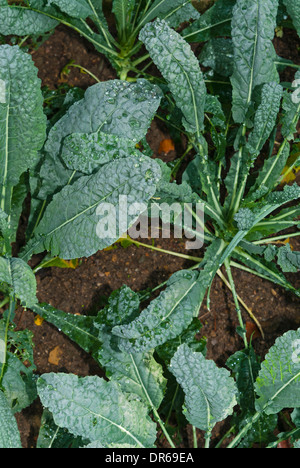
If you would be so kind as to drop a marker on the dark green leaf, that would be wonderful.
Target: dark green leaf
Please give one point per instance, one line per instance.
(216, 21)
(253, 28)
(179, 66)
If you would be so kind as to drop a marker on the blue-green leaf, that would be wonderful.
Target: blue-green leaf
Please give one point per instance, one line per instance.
(96, 410)
(9, 433)
(179, 66)
(278, 383)
(74, 227)
(114, 107)
(253, 27)
(16, 273)
(19, 21)
(210, 392)
(74, 8)
(22, 121)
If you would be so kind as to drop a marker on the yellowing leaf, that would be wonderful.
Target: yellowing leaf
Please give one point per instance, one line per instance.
(38, 320)
(290, 172)
(60, 263)
(291, 176)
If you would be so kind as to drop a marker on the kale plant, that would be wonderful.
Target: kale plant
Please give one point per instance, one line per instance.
(92, 154)
(87, 18)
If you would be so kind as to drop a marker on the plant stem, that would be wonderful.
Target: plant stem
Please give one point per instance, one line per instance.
(199, 260)
(252, 316)
(11, 309)
(140, 60)
(286, 436)
(180, 160)
(157, 249)
(88, 72)
(195, 441)
(207, 439)
(24, 39)
(225, 436)
(163, 428)
(4, 302)
(244, 431)
(278, 238)
(236, 301)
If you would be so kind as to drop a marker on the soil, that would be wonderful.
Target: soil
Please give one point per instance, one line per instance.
(82, 291)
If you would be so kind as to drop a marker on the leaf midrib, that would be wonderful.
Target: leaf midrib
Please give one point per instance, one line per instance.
(100, 416)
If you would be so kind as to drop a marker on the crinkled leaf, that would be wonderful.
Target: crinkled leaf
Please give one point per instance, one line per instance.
(9, 433)
(216, 21)
(19, 21)
(288, 260)
(265, 119)
(166, 316)
(53, 176)
(269, 174)
(86, 152)
(22, 121)
(286, 218)
(210, 392)
(115, 107)
(52, 436)
(244, 219)
(179, 66)
(278, 383)
(74, 8)
(172, 11)
(253, 28)
(289, 193)
(95, 409)
(123, 10)
(72, 226)
(218, 54)
(245, 366)
(189, 337)
(123, 307)
(20, 277)
(137, 374)
(18, 382)
(173, 310)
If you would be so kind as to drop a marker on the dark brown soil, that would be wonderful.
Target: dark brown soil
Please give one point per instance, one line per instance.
(81, 291)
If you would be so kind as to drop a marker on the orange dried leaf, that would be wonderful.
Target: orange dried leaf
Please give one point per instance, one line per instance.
(166, 146)
(55, 356)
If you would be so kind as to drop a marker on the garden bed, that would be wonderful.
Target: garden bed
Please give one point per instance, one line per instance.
(67, 59)
(81, 291)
